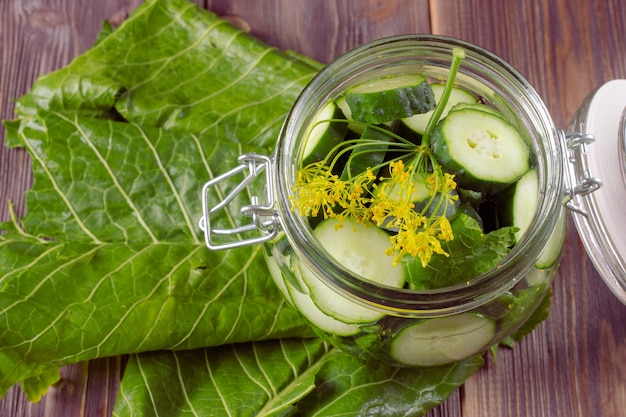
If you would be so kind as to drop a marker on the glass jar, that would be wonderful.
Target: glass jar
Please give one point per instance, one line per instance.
(401, 326)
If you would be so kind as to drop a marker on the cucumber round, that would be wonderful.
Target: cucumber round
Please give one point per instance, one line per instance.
(361, 249)
(418, 122)
(324, 134)
(522, 199)
(537, 277)
(477, 106)
(482, 150)
(311, 312)
(442, 340)
(552, 251)
(523, 203)
(390, 98)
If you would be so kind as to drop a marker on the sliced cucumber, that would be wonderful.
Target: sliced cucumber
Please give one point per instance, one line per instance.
(370, 155)
(520, 204)
(442, 340)
(523, 202)
(552, 251)
(361, 249)
(325, 134)
(477, 106)
(475, 198)
(418, 122)
(357, 128)
(538, 277)
(309, 309)
(483, 150)
(390, 98)
(277, 274)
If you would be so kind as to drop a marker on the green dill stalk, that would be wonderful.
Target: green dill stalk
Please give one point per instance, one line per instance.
(457, 55)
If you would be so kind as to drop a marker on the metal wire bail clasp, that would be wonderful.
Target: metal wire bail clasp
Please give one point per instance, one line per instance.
(265, 222)
(580, 181)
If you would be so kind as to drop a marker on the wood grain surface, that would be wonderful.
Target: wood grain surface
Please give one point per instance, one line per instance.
(574, 364)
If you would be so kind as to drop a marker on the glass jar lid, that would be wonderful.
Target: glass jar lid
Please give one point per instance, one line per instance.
(600, 217)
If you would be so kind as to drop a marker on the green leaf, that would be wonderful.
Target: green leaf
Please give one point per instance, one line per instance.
(252, 379)
(523, 300)
(109, 258)
(347, 386)
(472, 252)
(279, 378)
(126, 269)
(172, 64)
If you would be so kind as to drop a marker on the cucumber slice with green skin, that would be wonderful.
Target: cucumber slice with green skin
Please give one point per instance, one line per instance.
(538, 277)
(552, 251)
(309, 309)
(387, 99)
(361, 249)
(418, 122)
(443, 340)
(523, 202)
(368, 156)
(475, 198)
(482, 150)
(477, 106)
(324, 134)
(357, 128)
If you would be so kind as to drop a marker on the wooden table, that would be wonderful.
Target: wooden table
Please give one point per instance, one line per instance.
(574, 364)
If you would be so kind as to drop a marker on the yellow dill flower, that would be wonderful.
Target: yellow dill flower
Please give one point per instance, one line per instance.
(415, 242)
(387, 203)
(433, 183)
(315, 190)
(399, 175)
(356, 210)
(444, 230)
(448, 182)
(449, 185)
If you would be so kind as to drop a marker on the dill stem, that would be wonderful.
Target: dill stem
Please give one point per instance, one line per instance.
(457, 55)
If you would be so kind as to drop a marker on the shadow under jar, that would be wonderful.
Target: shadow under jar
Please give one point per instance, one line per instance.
(352, 292)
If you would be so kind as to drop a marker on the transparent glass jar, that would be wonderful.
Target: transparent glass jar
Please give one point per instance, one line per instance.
(401, 326)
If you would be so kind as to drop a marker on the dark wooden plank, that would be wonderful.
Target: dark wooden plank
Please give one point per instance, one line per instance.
(324, 29)
(37, 37)
(574, 364)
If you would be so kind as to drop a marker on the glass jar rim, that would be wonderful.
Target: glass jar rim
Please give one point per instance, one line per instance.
(479, 289)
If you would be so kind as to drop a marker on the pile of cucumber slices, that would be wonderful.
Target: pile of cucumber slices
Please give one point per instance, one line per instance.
(497, 186)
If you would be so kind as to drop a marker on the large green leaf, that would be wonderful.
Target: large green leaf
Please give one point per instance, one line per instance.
(174, 65)
(252, 379)
(109, 258)
(347, 386)
(126, 269)
(280, 378)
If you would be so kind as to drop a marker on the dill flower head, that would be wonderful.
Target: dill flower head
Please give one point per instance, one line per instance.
(387, 203)
(318, 189)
